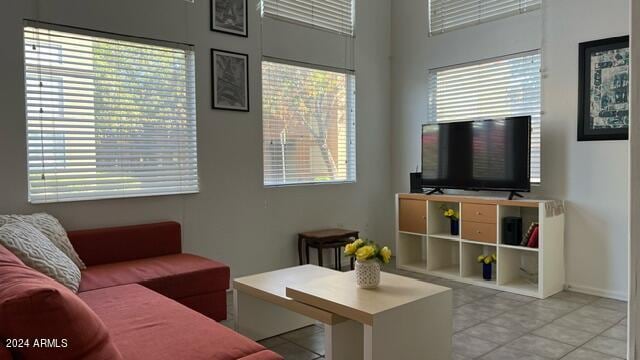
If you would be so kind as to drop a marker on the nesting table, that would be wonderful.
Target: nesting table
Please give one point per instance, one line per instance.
(402, 319)
(334, 239)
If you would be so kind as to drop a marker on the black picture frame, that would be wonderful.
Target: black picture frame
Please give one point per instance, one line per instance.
(227, 78)
(586, 130)
(228, 29)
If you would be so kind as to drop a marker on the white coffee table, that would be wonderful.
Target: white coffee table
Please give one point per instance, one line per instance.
(262, 310)
(403, 318)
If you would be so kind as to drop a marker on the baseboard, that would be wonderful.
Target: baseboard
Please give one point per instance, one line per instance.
(618, 295)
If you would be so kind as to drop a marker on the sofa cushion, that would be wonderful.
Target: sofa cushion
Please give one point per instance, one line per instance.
(106, 245)
(147, 325)
(176, 276)
(38, 252)
(4, 353)
(51, 228)
(212, 305)
(33, 306)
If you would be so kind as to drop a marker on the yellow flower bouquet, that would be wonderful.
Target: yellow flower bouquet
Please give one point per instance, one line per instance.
(453, 216)
(364, 250)
(368, 257)
(486, 261)
(449, 213)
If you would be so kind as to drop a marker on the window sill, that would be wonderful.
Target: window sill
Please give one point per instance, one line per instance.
(275, 186)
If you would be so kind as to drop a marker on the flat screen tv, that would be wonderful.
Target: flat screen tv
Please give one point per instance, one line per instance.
(477, 155)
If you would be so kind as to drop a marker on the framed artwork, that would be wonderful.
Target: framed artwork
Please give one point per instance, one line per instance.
(229, 80)
(229, 16)
(603, 95)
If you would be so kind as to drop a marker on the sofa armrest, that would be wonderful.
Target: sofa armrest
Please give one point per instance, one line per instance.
(115, 244)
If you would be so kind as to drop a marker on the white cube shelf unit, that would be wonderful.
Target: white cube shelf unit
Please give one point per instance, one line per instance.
(424, 243)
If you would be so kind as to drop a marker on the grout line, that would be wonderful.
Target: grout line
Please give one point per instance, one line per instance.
(595, 351)
(280, 336)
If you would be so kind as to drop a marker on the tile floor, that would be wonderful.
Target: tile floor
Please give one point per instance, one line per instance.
(494, 325)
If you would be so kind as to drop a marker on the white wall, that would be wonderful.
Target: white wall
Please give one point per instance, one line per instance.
(234, 218)
(591, 176)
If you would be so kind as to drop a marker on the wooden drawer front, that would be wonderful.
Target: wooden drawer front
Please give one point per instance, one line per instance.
(484, 232)
(412, 216)
(479, 213)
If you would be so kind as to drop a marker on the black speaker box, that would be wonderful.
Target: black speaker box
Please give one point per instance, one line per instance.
(511, 230)
(415, 180)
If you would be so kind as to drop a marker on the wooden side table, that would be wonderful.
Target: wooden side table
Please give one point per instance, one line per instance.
(324, 239)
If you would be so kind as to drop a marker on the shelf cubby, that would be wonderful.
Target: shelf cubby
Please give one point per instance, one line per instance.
(438, 224)
(529, 215)
(519, 269)
(470, 269)
(443, 257)
(411, 252)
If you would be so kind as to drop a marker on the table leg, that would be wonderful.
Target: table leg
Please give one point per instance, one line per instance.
(343, 341)
(300, 243)
(419, 330)
(339, 259)
(319, 249)
(258, 319)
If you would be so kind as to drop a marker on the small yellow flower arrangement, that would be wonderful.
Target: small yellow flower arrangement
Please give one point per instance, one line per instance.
(449, 213)
(364, 250)
(487, 259)
(453, 216)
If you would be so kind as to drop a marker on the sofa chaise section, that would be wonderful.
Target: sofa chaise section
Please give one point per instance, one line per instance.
(151, 255)
(146, 325)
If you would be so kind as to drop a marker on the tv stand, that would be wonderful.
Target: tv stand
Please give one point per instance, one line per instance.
(514, 194)
(425, 244)
(436, 190)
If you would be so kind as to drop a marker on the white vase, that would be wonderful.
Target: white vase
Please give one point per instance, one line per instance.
(367, 274)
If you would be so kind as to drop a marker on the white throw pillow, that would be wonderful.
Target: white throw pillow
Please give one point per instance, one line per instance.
(52, 229)
(35, 250)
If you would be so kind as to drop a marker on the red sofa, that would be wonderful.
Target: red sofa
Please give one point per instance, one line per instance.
(151, 255)
(140, 298)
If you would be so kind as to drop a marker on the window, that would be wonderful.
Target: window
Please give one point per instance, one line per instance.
(334, 15)
(107, 116)
(504, 87)
(447, 15)
(308, 117)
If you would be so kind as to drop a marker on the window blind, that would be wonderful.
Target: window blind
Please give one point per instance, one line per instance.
(308, 125)
(497, 88)
(107, 117)
(447, 15)
(334, 15)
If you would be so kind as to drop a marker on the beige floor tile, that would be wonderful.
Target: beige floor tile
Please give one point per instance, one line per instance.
(544, 347)
(608, 346)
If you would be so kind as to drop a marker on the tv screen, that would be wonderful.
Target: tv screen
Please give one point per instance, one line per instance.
(477, 155)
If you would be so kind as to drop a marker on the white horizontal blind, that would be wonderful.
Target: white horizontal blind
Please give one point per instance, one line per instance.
(334, 15)
(308, 119)
(107, 117)
(494, 89)
(447, 15)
